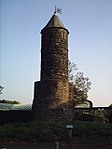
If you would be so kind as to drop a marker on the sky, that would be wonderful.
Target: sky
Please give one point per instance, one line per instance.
(90, 44)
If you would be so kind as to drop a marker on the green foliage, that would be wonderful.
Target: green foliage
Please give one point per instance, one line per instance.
(9, 101)
(88, 117)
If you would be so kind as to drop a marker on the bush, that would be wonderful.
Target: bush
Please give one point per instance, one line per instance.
(50, 131)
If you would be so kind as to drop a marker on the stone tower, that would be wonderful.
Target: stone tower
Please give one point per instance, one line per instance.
(51, 93)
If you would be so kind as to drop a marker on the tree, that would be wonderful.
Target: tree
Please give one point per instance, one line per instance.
(9, 101)
(71, 71)
(81, 84)
(1, 88)
(108, 114)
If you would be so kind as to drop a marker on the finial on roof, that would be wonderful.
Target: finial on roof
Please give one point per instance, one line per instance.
(57, 10)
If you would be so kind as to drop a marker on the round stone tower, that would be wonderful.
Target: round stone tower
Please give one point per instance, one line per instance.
(51, 93)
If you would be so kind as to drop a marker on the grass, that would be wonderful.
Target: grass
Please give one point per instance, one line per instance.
(84, 133)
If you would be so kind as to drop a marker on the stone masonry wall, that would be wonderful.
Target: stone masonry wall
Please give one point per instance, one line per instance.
(49, 95)
(54, 54)
(52, 91)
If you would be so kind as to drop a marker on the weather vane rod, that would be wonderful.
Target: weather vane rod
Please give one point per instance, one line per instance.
(57, 10)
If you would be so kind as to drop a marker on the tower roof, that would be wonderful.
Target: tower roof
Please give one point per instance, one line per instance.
(54, 22)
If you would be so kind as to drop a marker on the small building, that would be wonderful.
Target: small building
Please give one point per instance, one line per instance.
(10, 113)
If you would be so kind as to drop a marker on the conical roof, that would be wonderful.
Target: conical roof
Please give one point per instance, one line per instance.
(54, 22)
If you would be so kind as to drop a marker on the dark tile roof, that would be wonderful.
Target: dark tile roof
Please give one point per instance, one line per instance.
(54, 22)
(5, 106)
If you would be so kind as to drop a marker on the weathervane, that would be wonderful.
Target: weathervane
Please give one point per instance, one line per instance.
(57, 10)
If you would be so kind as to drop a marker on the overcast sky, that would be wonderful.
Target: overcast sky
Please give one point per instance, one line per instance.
(90, 44)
